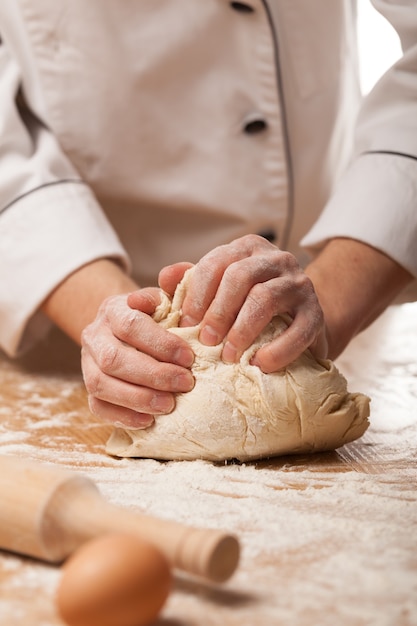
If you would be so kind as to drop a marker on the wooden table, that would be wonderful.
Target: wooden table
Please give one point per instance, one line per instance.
(329, 539)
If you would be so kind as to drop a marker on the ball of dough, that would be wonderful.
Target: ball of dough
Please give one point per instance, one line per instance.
(236, 411)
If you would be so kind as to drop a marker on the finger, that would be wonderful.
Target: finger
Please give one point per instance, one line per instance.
(145, 300)
(140, 331)
(121, 393)
(208, 274)
(287, 347)
(253, 317)
(118, 360)
(242, 302)
(320, 347)
(170, 276)
(119, 416)
(293, 296)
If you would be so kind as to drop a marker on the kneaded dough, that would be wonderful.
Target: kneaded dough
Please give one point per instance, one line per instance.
(235, 411)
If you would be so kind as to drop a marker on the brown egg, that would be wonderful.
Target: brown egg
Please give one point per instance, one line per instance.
(113, 580)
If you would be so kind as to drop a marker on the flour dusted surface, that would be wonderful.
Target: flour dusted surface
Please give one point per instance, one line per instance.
(326, 539)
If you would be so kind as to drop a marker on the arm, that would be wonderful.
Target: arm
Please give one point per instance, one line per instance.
(365, 239)
(74, 303)
(238, 288)
(354, 284)
(50, 222)
(61, 262)
(131, 366)
(374, 201)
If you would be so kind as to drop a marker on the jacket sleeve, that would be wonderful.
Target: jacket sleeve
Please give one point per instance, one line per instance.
(50, 221)
(376, 199)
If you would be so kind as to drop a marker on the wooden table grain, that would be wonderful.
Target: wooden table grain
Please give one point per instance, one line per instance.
(327, 539)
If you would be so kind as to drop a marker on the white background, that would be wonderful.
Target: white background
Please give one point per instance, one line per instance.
(379, 44)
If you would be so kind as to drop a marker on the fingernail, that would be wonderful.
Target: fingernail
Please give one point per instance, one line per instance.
(138, 423)
(184, 382)
(184, 357)
(161, 403)
(145, 423)
(187, 320)
(229, 354)
(209, 336)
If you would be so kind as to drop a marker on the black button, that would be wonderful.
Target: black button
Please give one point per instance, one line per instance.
(269, 234)
(242, 7)
(253, 126)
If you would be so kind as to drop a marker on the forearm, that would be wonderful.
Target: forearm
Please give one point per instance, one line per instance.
(354, 283)
(75, 302)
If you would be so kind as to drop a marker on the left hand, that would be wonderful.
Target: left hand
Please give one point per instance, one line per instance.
(237, 289)
(132, 367)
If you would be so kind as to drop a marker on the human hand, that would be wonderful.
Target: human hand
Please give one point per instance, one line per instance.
(236, 290)
(131, 366)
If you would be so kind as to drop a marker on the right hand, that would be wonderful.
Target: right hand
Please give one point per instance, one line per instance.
(132, 367)
(238, 288)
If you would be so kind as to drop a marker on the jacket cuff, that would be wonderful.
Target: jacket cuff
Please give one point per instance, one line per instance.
(374, 202)
(44, 237)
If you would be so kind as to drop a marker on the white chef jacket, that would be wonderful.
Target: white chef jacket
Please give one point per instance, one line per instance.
(150, 131)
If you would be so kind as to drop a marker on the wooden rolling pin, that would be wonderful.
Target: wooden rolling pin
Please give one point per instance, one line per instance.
(47, 512)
